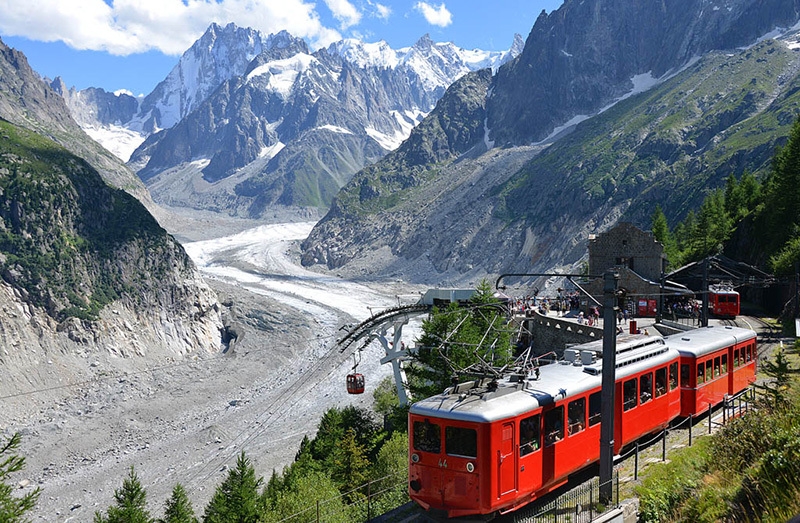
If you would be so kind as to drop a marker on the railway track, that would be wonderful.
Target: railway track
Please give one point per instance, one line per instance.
(768, 335)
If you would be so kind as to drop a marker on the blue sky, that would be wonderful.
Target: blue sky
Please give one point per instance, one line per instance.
(133, 44)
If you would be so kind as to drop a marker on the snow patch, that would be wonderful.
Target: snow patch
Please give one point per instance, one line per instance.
(387, 141)
(575, 120)
(486, 141)
(641, 83)
(271, 151)
(284, 73)
(201, 163)
(120, 141)
(335, 129)
(407, 120)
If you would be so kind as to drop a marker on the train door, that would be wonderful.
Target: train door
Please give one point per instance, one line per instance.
(507, 460)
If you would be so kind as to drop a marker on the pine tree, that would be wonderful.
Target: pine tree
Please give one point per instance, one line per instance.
(131, 504)
(455, 338)
(12, 509)
(781, 213)
(661, 233)
(178, 508)
(237, 499)
(350, 465)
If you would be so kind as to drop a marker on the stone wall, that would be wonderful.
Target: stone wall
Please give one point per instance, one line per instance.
(627, 245)
(550, 334)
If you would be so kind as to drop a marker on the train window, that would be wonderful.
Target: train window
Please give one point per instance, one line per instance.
(661, 382)
(554, 425)
(594, 409)
(645, 388)
(709, 370)
(673, 375)
(724, 363)
(427, 436)
(749, 352)
(462, 442)
(701, 373)
(629, 394)
(576, 414)
(529, 438)
(735, 358)
(716, 367)
(685, 378)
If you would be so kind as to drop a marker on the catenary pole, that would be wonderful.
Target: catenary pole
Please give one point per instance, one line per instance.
(610, 283)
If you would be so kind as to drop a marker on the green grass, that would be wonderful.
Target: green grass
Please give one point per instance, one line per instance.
(748, 471)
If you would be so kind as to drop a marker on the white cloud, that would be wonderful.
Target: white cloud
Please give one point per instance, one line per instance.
(381, 11)
(170, 26)
(345, 12)
(435, 15)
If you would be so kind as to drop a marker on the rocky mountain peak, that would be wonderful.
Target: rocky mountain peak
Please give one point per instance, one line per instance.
(424, 42)
(583, 56)
(219, 55)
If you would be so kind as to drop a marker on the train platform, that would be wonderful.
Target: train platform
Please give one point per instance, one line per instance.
(629, 326)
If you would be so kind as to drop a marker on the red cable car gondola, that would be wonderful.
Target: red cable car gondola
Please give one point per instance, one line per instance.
(355, 381)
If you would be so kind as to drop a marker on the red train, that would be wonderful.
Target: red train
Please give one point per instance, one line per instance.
(723, 302)
(492, 446)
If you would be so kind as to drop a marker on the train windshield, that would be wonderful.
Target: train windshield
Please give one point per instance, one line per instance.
(427, 437)
(461, 442)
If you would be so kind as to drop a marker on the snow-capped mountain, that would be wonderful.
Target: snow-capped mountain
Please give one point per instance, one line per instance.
(245, 121)
(220, 54)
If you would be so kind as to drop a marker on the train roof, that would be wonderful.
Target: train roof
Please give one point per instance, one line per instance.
(699, 342)
(488, 400)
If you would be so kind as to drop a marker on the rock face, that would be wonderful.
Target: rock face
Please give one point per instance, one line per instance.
(439, 212)
(87, 273)
(28, 101)
(72, 249)
(583, 56)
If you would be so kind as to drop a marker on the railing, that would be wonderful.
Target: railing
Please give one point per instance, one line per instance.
(578, 505)
(359, 505)
(732, 407)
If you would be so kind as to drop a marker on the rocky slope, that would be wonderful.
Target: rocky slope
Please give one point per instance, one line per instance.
(88, 267)
(584, 55)
(28, 101)
(439, 209)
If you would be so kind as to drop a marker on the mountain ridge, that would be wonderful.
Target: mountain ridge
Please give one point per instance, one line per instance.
(720, 114)
(265, 122)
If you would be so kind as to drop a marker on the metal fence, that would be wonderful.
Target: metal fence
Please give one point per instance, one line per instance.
(578, 505)
(358, 505)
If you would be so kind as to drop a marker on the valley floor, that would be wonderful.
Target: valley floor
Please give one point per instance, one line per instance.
(187, 422)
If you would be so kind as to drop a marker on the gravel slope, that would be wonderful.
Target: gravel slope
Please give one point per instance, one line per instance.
(188, 420)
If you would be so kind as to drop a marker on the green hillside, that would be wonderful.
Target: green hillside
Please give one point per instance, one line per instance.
(69, 243)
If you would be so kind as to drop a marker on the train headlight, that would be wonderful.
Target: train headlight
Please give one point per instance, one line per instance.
(470, 467)
(415, 458)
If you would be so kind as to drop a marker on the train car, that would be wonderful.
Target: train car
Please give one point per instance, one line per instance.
(490, 446)
(715, 361)
(723, 302)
